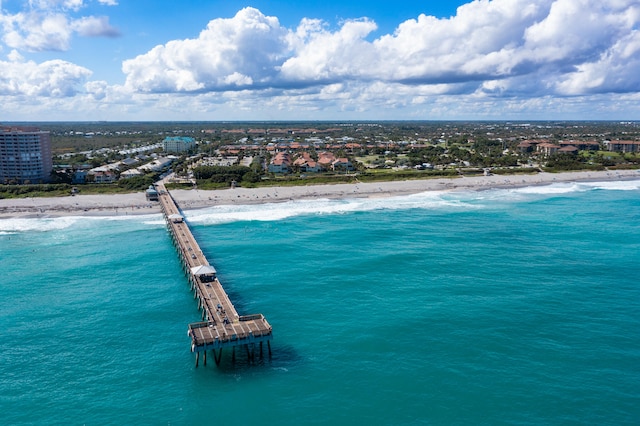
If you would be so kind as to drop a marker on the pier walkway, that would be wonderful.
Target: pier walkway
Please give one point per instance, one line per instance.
(221, 326)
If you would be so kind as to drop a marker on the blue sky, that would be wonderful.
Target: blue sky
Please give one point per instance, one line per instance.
(319, 60)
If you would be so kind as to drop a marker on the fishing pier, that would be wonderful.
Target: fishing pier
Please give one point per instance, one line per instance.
(221, 326)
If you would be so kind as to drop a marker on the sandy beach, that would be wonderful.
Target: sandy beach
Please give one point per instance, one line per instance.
(136, 203)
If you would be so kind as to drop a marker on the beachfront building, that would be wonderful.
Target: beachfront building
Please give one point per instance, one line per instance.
(151, 193)
(623, 146)
(281, 163)
(581, 145)
(306, 164)
(157, 165)
(525, 147)
(79, 176)
(343, 164)
(178, 144)
(25, 155)
(568, 149)
(548, 149)
(131, 173)
(326, 159)
(101, 175)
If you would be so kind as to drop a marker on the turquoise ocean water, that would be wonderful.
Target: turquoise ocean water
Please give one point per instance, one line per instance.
(516, 306)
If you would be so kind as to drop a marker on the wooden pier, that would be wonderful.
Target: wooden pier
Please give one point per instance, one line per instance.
(221, 326)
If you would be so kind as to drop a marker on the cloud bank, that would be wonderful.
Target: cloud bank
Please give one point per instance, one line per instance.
(506, 56)
(564, 46)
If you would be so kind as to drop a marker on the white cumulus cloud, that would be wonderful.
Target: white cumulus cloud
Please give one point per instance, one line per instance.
(329, 56)
(36, 32)
(244, 50)
(49, 25)
(54, 78)
(94, 26)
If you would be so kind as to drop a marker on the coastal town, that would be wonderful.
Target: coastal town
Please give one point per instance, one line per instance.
(218, 155)
(298, 213)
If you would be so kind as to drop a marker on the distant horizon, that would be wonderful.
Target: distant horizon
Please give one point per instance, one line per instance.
(617, 121)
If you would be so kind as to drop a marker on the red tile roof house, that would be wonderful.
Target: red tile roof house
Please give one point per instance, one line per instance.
(568, 149)
(325, 159)
(281, 163)
(525, 146)
(530, 145)
(307, 164)
(342, 164)
(582, 145)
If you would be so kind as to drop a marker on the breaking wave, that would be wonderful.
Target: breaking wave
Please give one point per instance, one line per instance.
(431, 200)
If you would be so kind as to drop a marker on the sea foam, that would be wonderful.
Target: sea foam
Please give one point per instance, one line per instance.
(284, 210)
(429, 200)
(17, 225)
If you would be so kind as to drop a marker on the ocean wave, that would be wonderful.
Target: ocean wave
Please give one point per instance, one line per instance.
(280, 211)
(552, 189)
(18, 225)
(569, 187)
(431, 200)
(624, 185)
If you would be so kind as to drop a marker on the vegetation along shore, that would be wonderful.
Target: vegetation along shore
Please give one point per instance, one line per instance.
(104, 168)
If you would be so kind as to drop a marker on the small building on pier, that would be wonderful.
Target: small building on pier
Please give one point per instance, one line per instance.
(206, 273)
(176, 218)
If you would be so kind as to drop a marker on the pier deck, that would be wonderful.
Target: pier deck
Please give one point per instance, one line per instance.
(221, 325)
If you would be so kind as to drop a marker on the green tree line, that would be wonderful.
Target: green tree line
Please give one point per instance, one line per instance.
(220, 174)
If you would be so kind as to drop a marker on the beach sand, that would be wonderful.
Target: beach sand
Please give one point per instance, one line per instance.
(136, 203)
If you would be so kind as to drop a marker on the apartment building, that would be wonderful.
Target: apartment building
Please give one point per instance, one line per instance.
(25, 155)
(178, 144)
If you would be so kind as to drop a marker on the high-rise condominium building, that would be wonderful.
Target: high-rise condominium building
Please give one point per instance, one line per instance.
(25, 155)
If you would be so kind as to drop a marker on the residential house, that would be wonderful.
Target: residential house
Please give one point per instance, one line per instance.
(158, 164)
(326, 159)
(102, 176)
(131, 173)
(342, 164)
(306, 164)
(568, 149)
(281, 163)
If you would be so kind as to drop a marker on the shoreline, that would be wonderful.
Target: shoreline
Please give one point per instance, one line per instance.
(189, 199)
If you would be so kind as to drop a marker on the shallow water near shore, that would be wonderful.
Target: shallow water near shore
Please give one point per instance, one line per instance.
(518, 306)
